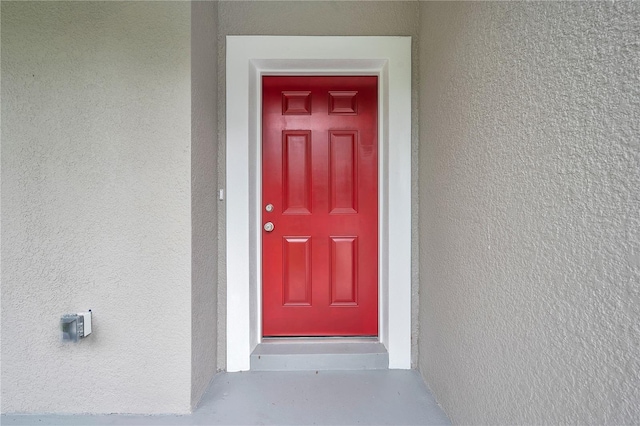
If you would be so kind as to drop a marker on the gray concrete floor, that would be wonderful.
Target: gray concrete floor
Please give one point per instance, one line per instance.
(373, 397)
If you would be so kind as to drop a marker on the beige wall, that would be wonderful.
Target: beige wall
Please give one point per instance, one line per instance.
(311, 18)
(204, 203)
(528, 163)
(96, 205)
(530, 211)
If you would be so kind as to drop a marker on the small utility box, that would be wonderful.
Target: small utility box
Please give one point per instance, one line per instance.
(75, 326)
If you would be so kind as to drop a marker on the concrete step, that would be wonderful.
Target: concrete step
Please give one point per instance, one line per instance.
(319, 354)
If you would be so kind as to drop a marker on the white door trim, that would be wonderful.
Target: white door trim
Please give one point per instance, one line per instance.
(250, 57)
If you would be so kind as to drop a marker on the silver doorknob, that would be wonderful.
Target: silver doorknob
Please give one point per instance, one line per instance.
(268, 227)
(269, 208)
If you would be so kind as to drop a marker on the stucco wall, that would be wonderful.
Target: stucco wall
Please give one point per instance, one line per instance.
(96, 205)
(530, 211)
(204, 203)
(300, 19)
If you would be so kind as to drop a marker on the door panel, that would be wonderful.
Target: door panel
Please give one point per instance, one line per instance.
(296, 172)
(320, 173)
(343, 171)
(296, 267)
(344, 271)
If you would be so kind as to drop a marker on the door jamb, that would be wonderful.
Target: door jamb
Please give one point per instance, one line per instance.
(250, 57)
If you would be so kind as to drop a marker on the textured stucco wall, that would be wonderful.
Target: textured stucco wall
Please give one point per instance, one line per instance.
(310, 18)
(530, 211)
(204, 204)
(96, 205)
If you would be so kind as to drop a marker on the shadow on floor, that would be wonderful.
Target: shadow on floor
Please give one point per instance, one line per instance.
(373, 397)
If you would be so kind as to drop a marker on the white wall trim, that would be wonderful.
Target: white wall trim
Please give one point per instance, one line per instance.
(250, 57)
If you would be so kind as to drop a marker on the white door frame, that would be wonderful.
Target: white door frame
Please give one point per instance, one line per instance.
(250, 57)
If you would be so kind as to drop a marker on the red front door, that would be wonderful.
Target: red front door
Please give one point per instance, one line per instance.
(320, 193)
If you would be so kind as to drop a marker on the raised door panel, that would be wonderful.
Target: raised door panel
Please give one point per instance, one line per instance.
(296, 172)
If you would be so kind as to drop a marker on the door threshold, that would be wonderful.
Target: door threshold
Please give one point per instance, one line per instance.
(319, 353)
(319, 339)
